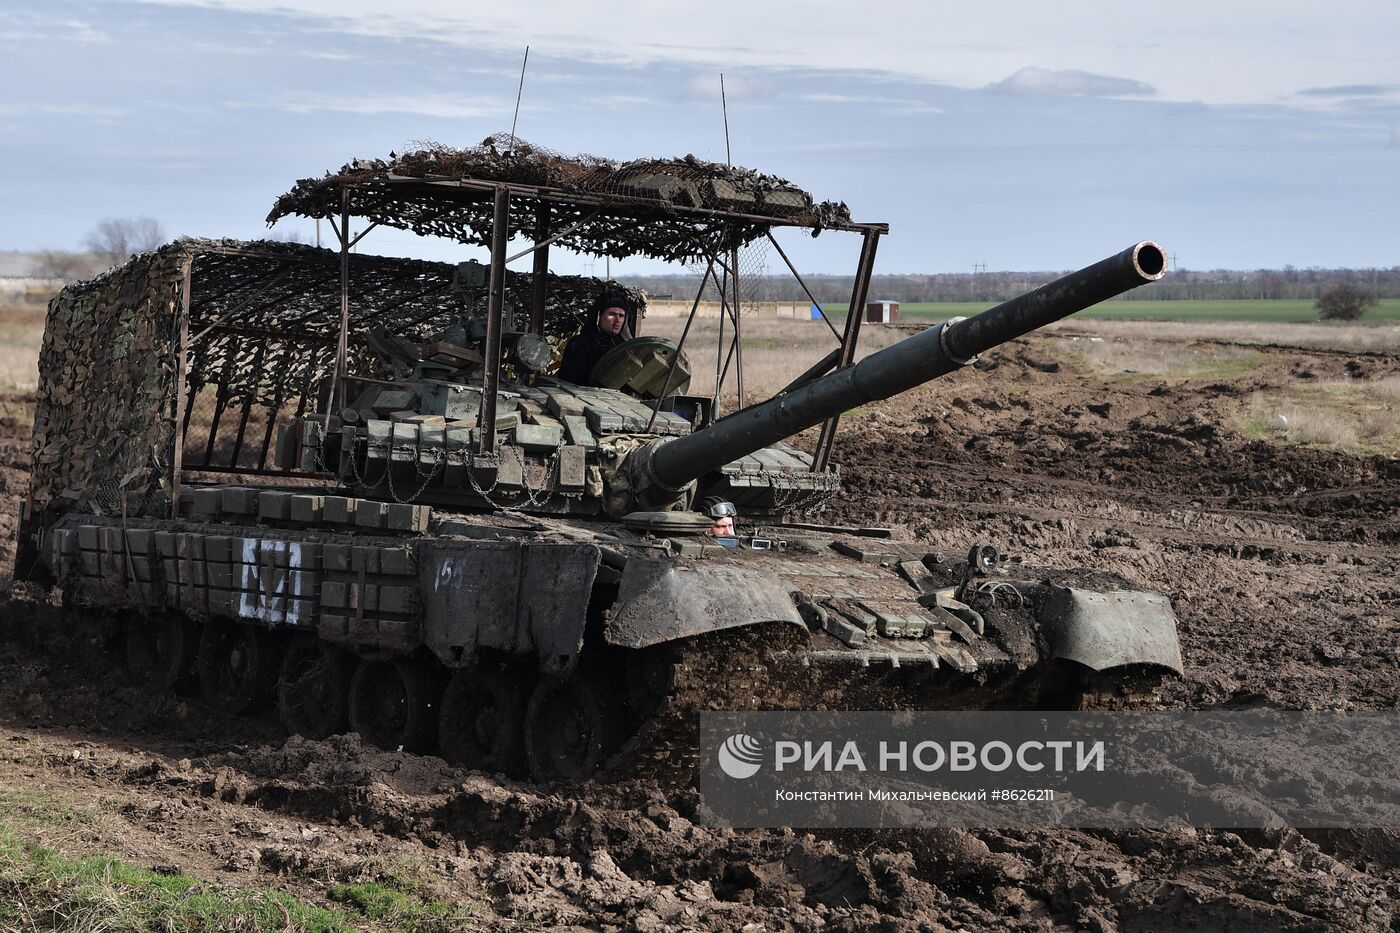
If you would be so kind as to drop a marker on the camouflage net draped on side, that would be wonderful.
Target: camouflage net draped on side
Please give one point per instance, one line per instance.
(104, 416)
(671, 209)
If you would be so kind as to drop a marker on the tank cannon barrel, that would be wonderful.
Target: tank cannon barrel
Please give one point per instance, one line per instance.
(671, 465)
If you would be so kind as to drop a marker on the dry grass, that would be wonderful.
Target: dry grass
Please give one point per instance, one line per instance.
(21, 335)
(1356, 415)
(1384, 337)
(1128, 358)
(775, 351)
(1386, 387)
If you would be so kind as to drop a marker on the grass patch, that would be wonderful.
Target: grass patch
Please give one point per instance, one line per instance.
(1355, 415)
(41, 888)
(395, 892)
(1123, 360)
(386, 903)
(1281, 310)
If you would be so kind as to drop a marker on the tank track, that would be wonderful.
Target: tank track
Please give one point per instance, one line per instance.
(766, 668)
(670, 685)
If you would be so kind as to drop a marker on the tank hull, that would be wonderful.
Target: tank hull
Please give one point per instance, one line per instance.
(431, 598)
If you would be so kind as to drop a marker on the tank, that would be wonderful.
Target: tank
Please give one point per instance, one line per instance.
(440, 546)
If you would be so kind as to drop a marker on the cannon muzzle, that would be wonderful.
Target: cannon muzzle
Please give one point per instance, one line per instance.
(666, 467)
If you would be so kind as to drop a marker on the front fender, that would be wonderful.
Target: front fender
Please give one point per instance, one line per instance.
(662, 600)
(1107, 630)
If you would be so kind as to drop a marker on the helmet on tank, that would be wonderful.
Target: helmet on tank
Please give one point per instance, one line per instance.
(716, 507)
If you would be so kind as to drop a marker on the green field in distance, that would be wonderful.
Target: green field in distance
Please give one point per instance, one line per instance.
(1286, 310)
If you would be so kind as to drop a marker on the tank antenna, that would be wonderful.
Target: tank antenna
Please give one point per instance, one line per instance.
(724, 108)
(518, 91)
(737, 349)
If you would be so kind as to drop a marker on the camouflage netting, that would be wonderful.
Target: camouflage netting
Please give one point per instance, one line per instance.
(104, 416)
(670, 209)
(273, 310)
(264, 318)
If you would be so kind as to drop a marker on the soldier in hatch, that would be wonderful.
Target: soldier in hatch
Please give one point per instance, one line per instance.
(604, 328)
(721, 512)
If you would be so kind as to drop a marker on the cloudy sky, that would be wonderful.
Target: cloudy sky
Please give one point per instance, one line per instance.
(1021, 134)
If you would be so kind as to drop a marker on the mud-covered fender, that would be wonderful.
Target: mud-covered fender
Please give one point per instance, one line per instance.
(1106, 630)
(523, 598)
(661, 600)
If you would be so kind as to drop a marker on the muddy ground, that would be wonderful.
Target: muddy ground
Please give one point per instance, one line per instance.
(1283, 565)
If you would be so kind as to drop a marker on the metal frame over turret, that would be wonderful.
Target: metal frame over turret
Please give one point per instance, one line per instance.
(664, 209)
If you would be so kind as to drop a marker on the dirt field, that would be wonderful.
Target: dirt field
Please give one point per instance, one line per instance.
(1283, 563)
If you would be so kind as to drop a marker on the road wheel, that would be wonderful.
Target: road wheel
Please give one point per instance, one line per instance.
(313, 689)
(393, 704)
(482, 720)
(161, 650)
(650, 675)
(572, 724)
(237, 666)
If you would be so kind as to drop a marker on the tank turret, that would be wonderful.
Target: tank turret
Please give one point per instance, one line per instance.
(562, 448)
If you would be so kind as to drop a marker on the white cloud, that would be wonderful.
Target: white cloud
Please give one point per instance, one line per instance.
(1071, 84)
(428, 105)
(40, 108)
(39, 26)
(736, 87)
(618, 102)
(1351, 90)
(82, 31)
(328, 56)
(1197, 50)
(898, 105)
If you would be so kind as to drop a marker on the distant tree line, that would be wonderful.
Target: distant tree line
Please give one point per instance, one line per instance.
(111, 242)
(1216, 285)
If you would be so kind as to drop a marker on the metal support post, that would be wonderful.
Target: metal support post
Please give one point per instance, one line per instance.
(676, 358)
(491, 372)
(335, 398)
(854, 314)
(810, 297)
(819, 369)
(738, 334)
(556, 235)
(177, 458)
(726, 313)
(539, 281)
(719, 344)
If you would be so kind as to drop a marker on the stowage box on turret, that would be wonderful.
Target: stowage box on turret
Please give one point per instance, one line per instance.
(352, 484)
